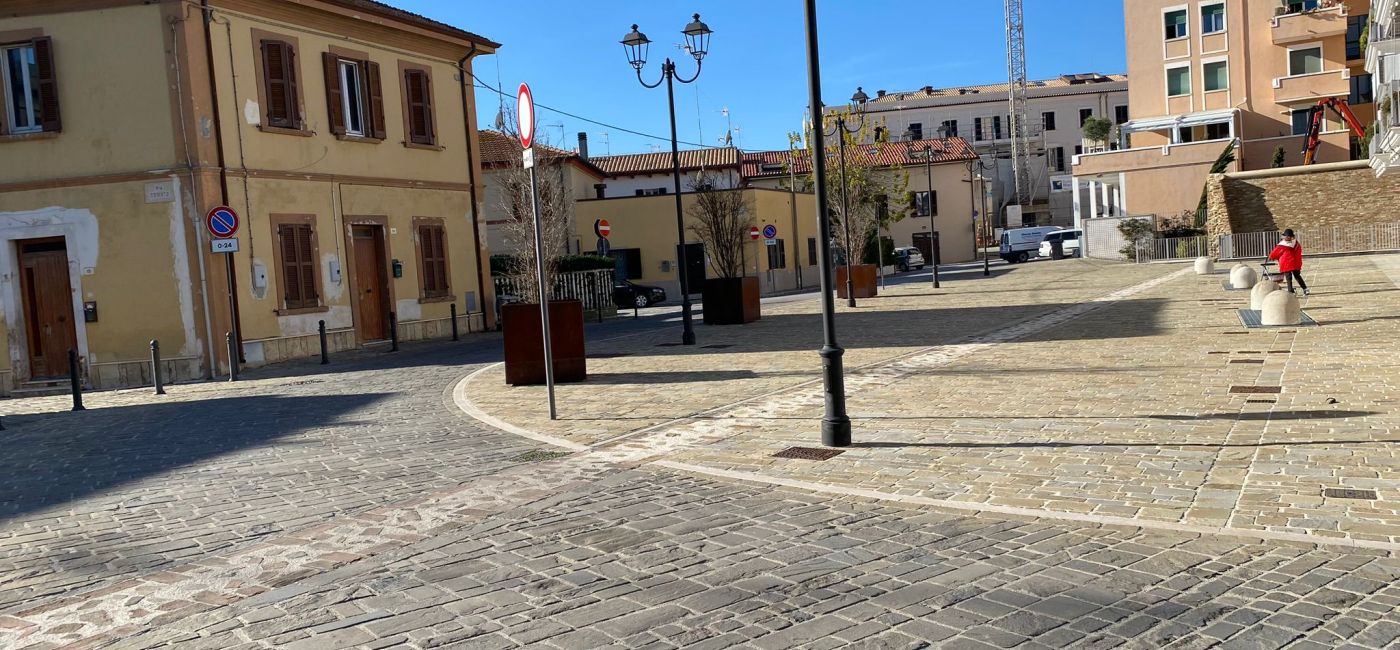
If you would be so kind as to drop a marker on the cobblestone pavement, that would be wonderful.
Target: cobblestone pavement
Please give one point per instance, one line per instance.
(352, 507)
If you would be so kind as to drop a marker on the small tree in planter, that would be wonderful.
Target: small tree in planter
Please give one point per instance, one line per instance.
(521, 322)
(1280, 158)
(722, 219)
(1098, 130)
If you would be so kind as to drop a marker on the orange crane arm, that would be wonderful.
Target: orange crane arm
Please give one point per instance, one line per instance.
(1338, 106)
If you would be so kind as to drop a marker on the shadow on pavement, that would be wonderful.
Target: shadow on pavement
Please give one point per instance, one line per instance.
(1110, 445)
(1320, 414)
(686, 376)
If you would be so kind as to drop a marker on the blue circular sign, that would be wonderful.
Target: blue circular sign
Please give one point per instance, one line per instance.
(222, 221)
(770, 231)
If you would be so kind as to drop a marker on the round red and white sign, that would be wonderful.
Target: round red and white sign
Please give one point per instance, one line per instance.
(754, 233)
(602, 227)
(525, 115)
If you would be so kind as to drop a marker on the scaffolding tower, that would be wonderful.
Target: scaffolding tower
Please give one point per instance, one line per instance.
(1021, 131)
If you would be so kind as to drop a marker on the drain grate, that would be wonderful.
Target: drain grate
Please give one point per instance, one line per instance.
(1251, 390)
(1249, 352)
(538, 455)
(1346, 493)
(1234, 332)
(609, 355)
(667, 345)
(809, 453)
(1221, 352)
(1261, 401)
(1279, 351)
(717, 346)
(1246, 361)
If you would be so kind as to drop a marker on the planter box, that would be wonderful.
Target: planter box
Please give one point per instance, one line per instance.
(864, 280)
(524, 342)
(731, 301)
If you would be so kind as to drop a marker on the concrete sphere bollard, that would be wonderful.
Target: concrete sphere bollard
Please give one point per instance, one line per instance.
(1260, 292)
(1205, 266)
(1242, 277)
(1281, 308)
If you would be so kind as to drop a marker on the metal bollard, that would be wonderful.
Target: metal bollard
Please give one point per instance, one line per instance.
(155, 367)
(393, 332)
(454, 322)
(74, 381)
(325, 356)
(2, 424)
(232, 356)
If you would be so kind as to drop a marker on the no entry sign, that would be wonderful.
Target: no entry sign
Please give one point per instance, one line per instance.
(602, 228)
(754, 233)
(222, 222)
(525, 114)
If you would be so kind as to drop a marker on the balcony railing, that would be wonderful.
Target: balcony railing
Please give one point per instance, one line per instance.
(1171, 155)
(1384, 36)
(1310, 25)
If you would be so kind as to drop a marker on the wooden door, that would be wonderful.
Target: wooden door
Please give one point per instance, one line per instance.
(372, 285)
(924, 242)
(48, 306)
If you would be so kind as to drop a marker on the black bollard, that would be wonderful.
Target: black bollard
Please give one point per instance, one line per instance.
(74, 381)
(393, 332)
(454, 322)
(155, 367)
(325, 354)
(232, 356)
(2, 424)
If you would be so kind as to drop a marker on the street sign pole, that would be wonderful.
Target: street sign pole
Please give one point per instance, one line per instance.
(222, 222)
(525, 112)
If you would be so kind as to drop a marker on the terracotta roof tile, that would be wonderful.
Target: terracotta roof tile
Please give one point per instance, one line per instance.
(411, 18)
(497, 149)
(904, 153)
(660, 162)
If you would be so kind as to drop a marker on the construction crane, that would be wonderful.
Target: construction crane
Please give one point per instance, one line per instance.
(1338, 106)
(1017, 91)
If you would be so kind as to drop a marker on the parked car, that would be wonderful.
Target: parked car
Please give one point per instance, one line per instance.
(1069, 241)
(628, 294)
(910, 259)
(1019, 244)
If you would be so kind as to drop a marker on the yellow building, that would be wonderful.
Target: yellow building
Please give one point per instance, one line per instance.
(501, 156)
(342, 131)
(1207, 73)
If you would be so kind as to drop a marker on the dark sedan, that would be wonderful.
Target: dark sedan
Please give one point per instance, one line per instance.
(627, 294)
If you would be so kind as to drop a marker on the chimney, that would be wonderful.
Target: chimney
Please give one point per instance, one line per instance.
(583, 145)
(962, 91)
(879, 93)
(928, 90)
(598, 188)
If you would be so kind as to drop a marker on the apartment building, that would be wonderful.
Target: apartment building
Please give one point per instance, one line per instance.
(575, 174)
(342, 131)
(1383, 63)
(979, 114)
(1209, 73)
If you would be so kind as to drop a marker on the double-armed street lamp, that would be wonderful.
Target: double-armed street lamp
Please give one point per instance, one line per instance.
(928, 169)
(839, 130)
(697, 42)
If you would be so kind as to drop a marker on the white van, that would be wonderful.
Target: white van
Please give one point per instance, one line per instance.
(1021, 244)
(1069, 243)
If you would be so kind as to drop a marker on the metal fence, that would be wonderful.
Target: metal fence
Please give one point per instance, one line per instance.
(1322, 240)
(1103, 240)
(1168, 249)
(593, 288)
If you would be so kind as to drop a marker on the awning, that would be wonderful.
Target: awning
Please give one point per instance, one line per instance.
(1176, 121)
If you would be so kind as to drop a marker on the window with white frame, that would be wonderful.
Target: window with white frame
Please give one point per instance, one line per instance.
(1178, 81)
(1300, 6)
(352, 97)
(1218, 131)
(1305, 60)
(1213, 18)
(1175, 24)
(1216, 75)
(23, 106)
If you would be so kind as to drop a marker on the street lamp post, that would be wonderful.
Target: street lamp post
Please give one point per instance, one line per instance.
(932, 226)
(697, 40)
(975, 167)
(840, 130)
(836, 425)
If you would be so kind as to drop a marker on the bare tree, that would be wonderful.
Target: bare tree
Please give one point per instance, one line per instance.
(867, 182)
(556, 212)
(722, 220)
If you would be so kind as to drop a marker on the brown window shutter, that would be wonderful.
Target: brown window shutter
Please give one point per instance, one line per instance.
(48, 85)
(291, 269)
(276, 87)
(307, 258)
(293, 106)
(425, 251)
(440, 257)
(335, 101)
(376, 100)
(420, 110)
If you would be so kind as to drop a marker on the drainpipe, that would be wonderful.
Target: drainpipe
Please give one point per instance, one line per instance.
(471, 175)
(208, 16)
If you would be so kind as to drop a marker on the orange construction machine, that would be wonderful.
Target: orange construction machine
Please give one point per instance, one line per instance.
(1338, 106)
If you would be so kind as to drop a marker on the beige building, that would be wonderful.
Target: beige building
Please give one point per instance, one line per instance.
(579, 177)
(1383, 62)
(1206, 73)
(341, 131)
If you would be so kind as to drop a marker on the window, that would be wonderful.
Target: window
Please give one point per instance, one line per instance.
(1078, 149)
(777, 255)
(1178, 81)
(298, 258)
(283, 109)
(657, 191)
(950, 128)
(432, 256)
(916, 130)
(1048, 119)
(978, 133)
(811, 251)
(1213, 18)
(1302, 121)
(1217, 75)
(1218, 131)
(1306, 60)
(418, 99)
(1185, 134)
(923, 207)
(1120, 114)
(1176, 24)
(30, 88)
(628, 263)
(1299, 6)
(1084, 115)
(354, 97)
(1361, 90)
(996, 127)
(879, 133)
(1356, 25)
(1057, 159)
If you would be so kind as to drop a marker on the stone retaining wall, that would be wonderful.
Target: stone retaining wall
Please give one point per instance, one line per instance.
(1331, 194)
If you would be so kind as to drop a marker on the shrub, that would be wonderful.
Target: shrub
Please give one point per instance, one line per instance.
(1134, 231)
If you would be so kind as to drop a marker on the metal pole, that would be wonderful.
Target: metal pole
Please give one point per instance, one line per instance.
(688, 333)
(325, 353)
(393, 332)
(74, 382)
(972, 205)
(237, 347)
(836, 425)
(932, 227)
(845, 210)
(543, 290)
(986, 227)
(880, 244)
(232, 344)
(454, 322)
(155, 367)
(792, 202)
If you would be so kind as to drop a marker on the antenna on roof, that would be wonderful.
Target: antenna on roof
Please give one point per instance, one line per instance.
(607, 142)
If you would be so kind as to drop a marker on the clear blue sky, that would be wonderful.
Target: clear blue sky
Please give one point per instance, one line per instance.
(568, 52)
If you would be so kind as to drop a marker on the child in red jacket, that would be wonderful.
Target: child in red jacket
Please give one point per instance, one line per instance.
(1289, 254)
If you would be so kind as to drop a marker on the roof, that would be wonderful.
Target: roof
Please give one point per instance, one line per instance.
(390, 11)
(1059, 86)
(903, 153)
(660, 162)
(498, 149)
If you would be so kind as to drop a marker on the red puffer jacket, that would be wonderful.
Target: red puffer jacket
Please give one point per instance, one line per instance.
(1290, 258)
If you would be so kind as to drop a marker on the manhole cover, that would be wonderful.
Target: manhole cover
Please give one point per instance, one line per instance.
(609, 355)
(1261, 401)
(1249, 390)
(717, 346)
(1246, 361)
(1234, 333)
(1345, 493)
(809, 453)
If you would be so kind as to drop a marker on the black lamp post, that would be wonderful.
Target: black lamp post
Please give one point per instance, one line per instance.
(975, 167)
(836, 425)
(840, 130)
(697, 41)
(928, 168)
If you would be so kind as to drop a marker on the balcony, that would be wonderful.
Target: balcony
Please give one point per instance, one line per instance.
(1384, 38)
(1309, 25)
(1144, 158)
(1385, 146)
(1305, 88)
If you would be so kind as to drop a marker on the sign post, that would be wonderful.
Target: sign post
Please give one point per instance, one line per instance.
(525, 112)
(222, 223)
